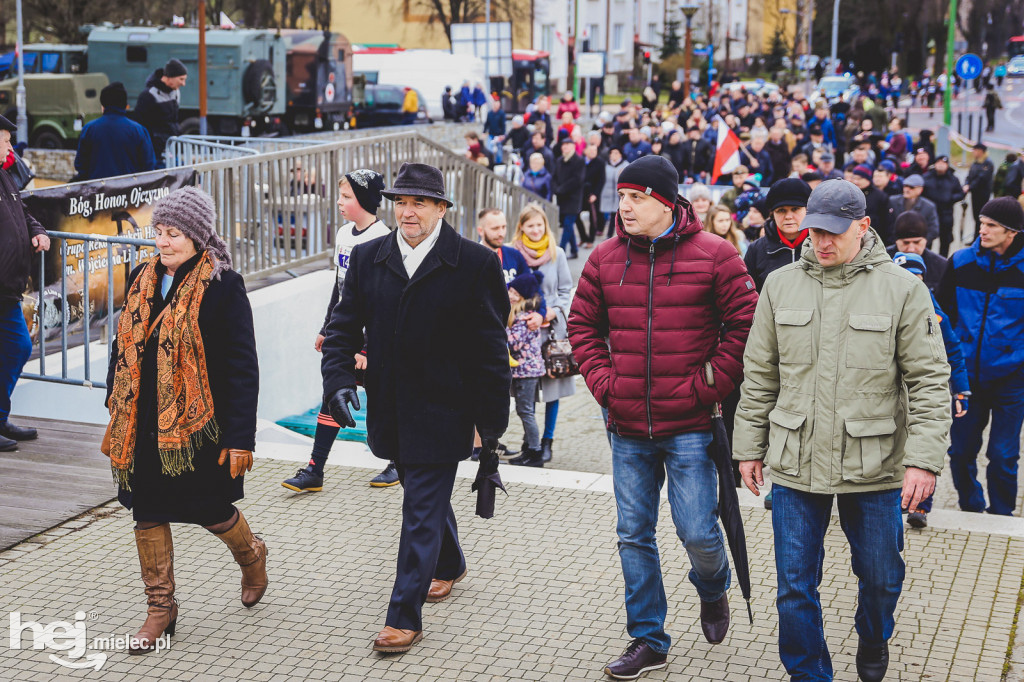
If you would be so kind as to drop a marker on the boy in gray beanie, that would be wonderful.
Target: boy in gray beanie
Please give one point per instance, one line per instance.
(192, 211)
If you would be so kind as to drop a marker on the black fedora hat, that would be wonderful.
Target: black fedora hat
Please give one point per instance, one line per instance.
(418, 180)
(7, 125)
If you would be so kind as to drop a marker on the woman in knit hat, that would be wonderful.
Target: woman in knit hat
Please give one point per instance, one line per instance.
(181, 389)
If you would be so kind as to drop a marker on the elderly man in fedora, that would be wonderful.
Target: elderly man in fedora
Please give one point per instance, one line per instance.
(434, 307)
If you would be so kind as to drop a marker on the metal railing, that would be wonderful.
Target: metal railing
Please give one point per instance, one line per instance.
(60, 308)
(278, 210)
(180, 152)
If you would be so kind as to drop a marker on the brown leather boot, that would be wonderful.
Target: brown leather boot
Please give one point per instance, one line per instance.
(156, 556)
(251, 554)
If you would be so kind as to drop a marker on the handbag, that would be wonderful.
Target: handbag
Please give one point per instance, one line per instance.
(558, 358)
(105, 443)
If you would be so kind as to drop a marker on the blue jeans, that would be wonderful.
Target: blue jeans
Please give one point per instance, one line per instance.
(550, 418)
(496, 149)
(639, 469)
(568, 233)
(15, 349)
(873, 525)
(525, 392)
(1004, 399)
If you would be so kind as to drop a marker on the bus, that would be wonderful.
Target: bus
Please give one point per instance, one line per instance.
(531, 70)
(1015, 46)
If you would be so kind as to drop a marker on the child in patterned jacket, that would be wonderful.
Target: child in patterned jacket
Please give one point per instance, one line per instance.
(524, 345)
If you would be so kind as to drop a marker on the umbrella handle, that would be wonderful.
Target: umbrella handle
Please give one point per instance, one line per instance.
(750, 614)
(709, 375)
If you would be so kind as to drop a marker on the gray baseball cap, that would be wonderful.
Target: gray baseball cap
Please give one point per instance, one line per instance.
(834, 205)
(914, 180)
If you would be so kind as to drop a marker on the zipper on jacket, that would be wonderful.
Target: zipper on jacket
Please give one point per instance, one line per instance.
(984, 316)
(650, 323)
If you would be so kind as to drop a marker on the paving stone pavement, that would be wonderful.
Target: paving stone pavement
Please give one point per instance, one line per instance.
(543, 599)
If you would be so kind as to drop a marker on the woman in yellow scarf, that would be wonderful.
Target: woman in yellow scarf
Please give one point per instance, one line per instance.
(181, 389)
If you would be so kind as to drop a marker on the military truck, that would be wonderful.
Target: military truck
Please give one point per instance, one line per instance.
(320, 80)
(246, 72)
(60, 98)
(57, 106)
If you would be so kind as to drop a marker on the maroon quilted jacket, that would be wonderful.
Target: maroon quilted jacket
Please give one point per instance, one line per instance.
(648, 316)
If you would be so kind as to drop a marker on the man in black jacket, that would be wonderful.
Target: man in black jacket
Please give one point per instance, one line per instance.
(567, 186)
(157, 106)
(911, 234)
(434, 307)
(979, 182)
(945, 191)
(878, 208)
(21, 235)
(698, 156)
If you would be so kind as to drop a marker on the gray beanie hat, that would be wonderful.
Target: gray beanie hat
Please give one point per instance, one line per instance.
(192, 211)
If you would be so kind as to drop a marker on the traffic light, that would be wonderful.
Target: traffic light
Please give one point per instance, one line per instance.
(647, 56)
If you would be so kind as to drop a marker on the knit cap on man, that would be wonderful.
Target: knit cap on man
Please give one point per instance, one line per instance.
(174, 68)
(1006, 211)
(654, 176)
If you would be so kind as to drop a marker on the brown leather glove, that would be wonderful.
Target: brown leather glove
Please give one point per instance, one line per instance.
(241, 461)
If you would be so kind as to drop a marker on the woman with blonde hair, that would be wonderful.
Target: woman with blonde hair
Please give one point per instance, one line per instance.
(181, 389)
(720, 223)
(536, 241)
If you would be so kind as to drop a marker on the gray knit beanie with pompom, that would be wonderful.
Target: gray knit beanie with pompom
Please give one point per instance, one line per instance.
(192, 211)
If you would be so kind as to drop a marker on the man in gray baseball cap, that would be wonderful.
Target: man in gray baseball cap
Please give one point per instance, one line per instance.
(839, 338)
(912, 200)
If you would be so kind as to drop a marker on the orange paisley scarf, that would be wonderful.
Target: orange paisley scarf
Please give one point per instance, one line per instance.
(185, 417)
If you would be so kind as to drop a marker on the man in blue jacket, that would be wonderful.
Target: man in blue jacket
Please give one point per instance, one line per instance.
(113, 144)
(983, 293)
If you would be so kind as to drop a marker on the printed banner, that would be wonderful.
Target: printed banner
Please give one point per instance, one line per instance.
(112, 207)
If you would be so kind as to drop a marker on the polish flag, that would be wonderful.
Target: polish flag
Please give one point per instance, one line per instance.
(728, 155)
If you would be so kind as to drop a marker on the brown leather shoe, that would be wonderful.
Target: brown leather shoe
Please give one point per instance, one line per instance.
(395, 641)
(156, 557)
(250, 551)
(442, 589)
(714, 619)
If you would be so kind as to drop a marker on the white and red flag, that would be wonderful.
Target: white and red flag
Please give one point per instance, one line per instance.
(727, 157)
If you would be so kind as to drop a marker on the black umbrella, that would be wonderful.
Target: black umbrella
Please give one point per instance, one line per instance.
(487, 482)
(729, 504)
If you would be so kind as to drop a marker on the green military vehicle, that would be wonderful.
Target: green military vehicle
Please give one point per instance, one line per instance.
(60, 98)
(245, 72)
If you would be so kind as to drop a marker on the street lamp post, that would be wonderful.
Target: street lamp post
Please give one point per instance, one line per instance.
(688, 11)
(19, 93)
(835, 33)
(810, 51)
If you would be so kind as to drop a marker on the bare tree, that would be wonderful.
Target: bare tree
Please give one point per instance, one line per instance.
(448, 12)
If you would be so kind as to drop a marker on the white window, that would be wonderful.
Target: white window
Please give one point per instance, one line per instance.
(594, 35)
(618, 34)
(652, 33)
(547, 38)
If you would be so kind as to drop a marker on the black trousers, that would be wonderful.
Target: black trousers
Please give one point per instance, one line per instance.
(429, 546)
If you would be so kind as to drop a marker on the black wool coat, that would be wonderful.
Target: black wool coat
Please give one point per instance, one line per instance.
(436, 347)
(225, 324)
(17, 228)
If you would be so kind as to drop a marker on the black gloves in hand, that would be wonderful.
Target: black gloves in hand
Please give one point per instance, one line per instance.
(338, 406)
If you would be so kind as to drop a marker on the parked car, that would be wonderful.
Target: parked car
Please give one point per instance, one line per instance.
(835, 89)
(1015, 67)
(381, 105)
(758, 87)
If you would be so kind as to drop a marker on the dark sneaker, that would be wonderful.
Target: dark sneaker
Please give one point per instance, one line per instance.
(872, 661)
(545, 449)
(918, 519)
(9, 430)
(768, 500)
(8, 445)
(386, 478)
(714, 619)
(529, 458)
(305, 481)
(639, 658)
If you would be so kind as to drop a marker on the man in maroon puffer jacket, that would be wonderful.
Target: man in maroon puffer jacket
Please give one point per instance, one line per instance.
(658, 325)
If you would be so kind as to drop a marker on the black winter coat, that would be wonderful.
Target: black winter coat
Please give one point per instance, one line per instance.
(698, 156)
(225, 324)
(880, 212)
(935, 263)
(436, 347)
(593, 180)
(945, 191)
(768, 254)
(567, 184)
(157, 111)
(17, 227)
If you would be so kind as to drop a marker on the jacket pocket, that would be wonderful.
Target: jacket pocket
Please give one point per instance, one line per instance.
(784, 441)
(867, 456)
(794, 333)
(868, 343)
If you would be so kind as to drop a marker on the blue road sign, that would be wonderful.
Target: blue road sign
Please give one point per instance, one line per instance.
(968, 66)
